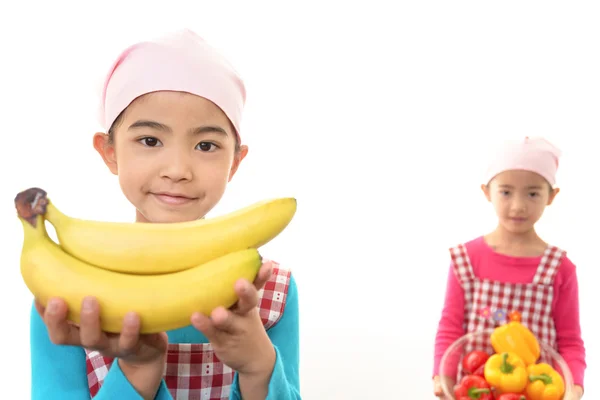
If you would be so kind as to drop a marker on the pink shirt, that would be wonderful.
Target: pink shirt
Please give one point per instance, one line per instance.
(488, 264)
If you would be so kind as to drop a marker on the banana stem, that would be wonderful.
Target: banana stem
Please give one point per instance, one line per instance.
(30, 204)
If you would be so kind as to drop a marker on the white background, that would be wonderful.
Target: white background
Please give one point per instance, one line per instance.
(374, 118)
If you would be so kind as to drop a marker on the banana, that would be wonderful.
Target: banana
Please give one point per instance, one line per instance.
(163, 302)
(143, 248)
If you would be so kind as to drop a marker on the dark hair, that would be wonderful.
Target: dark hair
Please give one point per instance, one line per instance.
(115, 125)
(119, 119)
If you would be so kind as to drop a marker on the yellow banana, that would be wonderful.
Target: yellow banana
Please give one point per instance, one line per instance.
(144, 248)
(164, 302)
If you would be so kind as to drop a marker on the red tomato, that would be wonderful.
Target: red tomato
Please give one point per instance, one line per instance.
(480, 371)
(474, 360)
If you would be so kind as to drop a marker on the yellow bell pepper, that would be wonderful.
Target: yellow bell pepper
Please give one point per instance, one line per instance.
(516, 338)
(506, 372)
(545, 383)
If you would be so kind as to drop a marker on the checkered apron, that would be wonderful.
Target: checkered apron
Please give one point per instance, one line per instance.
(488, 303)
(193, 371)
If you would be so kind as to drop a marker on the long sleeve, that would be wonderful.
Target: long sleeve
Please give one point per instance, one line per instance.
(116, 385)
(52, 380)
(67, 379)
(285, 336)
(450, 327)
(566, 321)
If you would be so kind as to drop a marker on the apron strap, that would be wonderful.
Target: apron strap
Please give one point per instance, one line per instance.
(462, 264)
(549, 265)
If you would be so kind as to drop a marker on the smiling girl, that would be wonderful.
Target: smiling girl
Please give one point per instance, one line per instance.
(171, 112)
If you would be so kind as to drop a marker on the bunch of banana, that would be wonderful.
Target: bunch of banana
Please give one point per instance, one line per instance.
(164, 272)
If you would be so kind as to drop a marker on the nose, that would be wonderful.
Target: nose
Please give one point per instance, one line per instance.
(518, 204)
(176, 166)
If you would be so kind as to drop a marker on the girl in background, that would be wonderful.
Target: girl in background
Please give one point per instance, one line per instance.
(512, 268)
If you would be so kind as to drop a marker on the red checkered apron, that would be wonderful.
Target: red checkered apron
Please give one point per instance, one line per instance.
(193, 371)
(488, 303)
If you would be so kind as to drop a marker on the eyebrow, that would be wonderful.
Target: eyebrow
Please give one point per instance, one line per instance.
(512, 187)
(143, 123)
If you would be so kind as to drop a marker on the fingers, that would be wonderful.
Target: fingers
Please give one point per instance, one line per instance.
(437, 387)
(39, 308)
(247, 297)
(228, 321)
(204, 325)
(264, 274)
(59, 330)
(225, 320)
(90, 330)
(220, 320)
(89, 334)
(92, 336)
(130, 333)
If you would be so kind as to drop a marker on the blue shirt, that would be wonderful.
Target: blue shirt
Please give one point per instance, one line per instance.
(59, 372)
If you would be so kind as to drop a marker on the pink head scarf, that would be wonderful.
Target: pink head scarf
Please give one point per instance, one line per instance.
(178, 62)
(531, 154)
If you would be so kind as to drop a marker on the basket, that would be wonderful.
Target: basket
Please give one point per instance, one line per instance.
(450, 370)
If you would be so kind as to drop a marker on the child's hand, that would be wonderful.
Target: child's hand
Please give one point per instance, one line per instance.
(237, 335)
(437, 387)
(141, 357)
(129, 346)
(577, 393)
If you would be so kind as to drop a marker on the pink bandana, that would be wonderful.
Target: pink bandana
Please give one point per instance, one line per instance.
(531, 154)
(179, 62)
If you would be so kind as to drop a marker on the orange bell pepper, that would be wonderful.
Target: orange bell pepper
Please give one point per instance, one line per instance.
(506, 372)
(514, 337)
(545, 383)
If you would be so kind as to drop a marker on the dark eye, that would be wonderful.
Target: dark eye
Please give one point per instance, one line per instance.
(206, 146)
(533, 194)
(149, 141)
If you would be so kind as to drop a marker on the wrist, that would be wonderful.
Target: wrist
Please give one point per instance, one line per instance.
(144, 377)
(263, 366)
(254, 383)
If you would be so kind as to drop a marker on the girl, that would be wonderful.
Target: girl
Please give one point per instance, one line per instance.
(171, 112)
(492, 274)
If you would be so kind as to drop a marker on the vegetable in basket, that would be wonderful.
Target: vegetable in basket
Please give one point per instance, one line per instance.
(545, 383)
(473, 387)
(514, 337)
(512, 396)
(506, 372)
(474, 362)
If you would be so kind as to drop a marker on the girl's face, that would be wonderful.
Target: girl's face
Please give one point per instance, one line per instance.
(519, 198)
(174, 154)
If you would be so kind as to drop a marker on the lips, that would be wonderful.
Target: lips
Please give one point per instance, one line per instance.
(518, 219)
(173, 198)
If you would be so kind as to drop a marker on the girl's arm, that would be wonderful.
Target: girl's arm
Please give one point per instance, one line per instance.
(116, 383)
(285, 380)
(566, 320)
(59, 372)
(450, 326)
